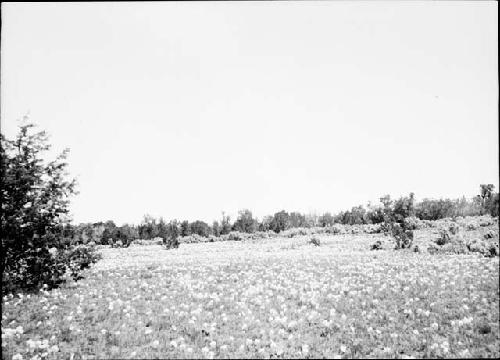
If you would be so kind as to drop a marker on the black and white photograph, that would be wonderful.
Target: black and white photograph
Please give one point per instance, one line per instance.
(249, 179)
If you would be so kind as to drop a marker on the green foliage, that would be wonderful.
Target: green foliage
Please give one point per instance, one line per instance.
(171, 236)
(200, 228)
(148, 228)
(297, 220)
(326, 220)
(225, 225)
(398, 220)
(235, 236)
(216, 230)
(315, 241)
(79, 258)
(185, 229)
(443, 238)
(36, 235)
(357, 215)
(245, 222)
(279, 222)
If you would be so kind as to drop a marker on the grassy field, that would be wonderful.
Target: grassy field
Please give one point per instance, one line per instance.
(268, 298)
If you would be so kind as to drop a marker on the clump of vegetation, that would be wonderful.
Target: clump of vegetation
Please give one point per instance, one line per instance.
(454, 229)
(491, 234)
(443, 238)
(315, 241)
(79, 258)
(36, 243)
(452, 241)
(485, 248)
(399, 220)
(235, 236)
(376, 246)
(170, 235)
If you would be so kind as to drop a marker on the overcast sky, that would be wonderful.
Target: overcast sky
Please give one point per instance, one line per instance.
(184, 110)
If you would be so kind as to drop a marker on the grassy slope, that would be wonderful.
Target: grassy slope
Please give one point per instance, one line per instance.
(267, 298)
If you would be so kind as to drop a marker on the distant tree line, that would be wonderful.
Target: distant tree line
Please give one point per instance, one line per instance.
(107, 233)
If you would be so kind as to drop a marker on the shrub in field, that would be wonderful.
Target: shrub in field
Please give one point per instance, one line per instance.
(471, 227)
(79, 258)
(402, 236)
(485, 248)
(170, 235)
(454, 229)
(235, 236)
(376, 246)
(486, 221)
(491, 234)
(335, 230)
(443, 238)
(315, 241)
(462, 243)
(290, 233)
(398, 221)
(456, 245)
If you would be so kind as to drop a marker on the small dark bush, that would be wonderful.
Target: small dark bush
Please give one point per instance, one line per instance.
(376, 246)
(490, 234)
(484, 329)
(444, 238)
(471, 227)
(403, 237)
(315, 241)
(171, 242)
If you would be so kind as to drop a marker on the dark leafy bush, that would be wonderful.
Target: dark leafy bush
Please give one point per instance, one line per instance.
(170, 234)
(443, 238)
(453, 229)
(79, 258)
(376, 246)
(36, 236)
(402, 236)
(491, 234)
(485, 248)
(315, 241)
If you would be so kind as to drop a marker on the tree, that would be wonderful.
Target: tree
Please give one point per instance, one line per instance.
(280, 221)
(185, 230)
(108, 234)
(245, 222)
(171, 239)
(216, 228)
(489, 199)
(486, 191)
(297, 220)
(35, 202)
(225, 224)
(148, 228)
(326, 220)
(265, 225)
(396, 219)
(200, 228)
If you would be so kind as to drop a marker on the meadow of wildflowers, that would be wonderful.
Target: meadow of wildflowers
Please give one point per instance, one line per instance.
(263, 298)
